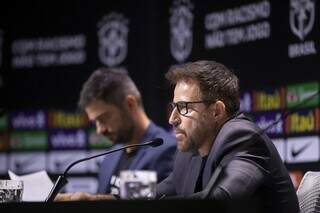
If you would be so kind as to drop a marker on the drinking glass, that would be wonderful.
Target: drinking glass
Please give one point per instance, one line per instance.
(11, 191)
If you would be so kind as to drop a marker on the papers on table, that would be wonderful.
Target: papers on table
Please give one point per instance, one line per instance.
(37, 185)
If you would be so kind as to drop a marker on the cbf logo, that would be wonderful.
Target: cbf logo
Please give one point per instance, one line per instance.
(113, 39)
(181, 23)
(302, 14)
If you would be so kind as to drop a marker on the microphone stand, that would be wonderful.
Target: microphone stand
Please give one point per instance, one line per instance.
(62, 179)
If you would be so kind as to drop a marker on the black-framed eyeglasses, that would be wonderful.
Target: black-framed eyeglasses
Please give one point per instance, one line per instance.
(182, 106)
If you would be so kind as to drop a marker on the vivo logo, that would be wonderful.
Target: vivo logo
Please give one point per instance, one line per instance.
(24, 120)
(68, 139)
(266, 120)
(246, 102)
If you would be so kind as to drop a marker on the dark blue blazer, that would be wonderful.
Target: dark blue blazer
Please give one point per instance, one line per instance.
(254, 169)
(159, 159)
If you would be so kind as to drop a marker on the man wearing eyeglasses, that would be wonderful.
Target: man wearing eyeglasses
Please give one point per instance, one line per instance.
(112, 101)
(222, 154)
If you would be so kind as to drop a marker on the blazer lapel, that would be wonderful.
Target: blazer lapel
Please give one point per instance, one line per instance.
(193, 174)
(213, 158)
(211, 163)
(109, 168)
(149, 134)
(137, 159)
(218, 148)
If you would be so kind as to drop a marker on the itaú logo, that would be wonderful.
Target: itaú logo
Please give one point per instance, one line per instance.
(268, 100)
(304, 121)
(60, 119)
(63, 139)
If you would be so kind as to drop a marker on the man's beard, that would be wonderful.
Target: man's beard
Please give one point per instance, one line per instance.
(125, 132)
(204, 134)
(124, 136)
(193, 145)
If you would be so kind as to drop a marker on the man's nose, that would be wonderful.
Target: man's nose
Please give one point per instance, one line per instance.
(101, 128)
(174, 118)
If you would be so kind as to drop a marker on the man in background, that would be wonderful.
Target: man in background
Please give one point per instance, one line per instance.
(112, 101)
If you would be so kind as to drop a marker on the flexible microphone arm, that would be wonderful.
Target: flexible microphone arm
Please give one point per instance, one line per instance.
(62, 179)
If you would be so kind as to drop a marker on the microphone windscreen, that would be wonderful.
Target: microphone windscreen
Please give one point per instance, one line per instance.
(156, 142)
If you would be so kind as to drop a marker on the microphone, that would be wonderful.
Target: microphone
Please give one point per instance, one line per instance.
(62, 179)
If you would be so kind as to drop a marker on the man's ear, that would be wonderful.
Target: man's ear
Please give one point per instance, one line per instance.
(131, 102)
(219, 109)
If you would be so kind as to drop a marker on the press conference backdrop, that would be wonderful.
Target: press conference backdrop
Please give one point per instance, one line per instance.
(48, 49)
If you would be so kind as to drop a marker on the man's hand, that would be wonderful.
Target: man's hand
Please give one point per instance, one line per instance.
(62, 197)
(84, 196)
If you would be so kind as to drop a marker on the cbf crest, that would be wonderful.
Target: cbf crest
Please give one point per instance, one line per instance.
(181, 28)
(302, 14)
(113, 39)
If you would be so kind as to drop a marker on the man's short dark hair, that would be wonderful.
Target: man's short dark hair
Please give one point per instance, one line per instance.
(216, 82)
(111, 86)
